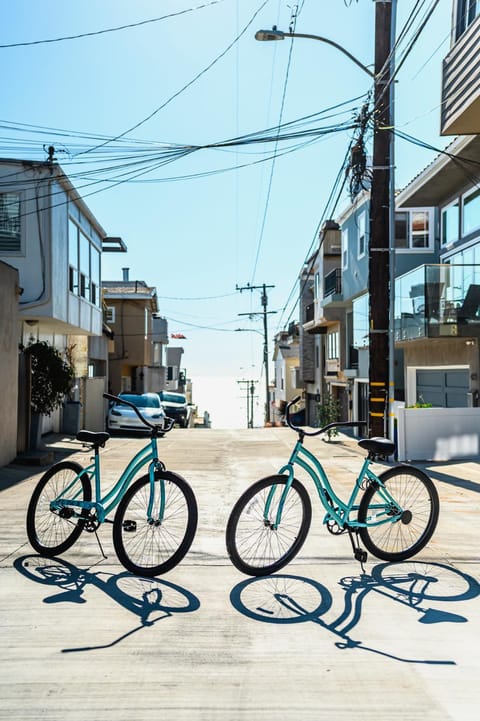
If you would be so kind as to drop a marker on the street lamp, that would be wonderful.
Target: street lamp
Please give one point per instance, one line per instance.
(381, 248)
(275, 34)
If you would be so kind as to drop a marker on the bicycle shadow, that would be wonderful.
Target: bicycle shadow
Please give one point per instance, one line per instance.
(150, 599)
(287, 599)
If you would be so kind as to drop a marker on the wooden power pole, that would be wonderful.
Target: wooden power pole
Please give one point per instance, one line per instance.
(380, 226)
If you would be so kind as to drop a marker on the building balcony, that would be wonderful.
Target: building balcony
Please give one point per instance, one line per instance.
(438, 301)
(460, 114)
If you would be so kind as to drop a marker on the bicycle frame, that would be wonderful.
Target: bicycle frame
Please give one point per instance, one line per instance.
(103, 506)
(336, 509)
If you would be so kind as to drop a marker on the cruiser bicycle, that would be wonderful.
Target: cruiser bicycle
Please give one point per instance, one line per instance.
(156, 515)
(395, 517)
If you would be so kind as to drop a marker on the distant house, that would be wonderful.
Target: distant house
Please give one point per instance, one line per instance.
(286, 384)
(136, 360)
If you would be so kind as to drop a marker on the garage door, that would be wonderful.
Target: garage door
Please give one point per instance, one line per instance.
(443, 388)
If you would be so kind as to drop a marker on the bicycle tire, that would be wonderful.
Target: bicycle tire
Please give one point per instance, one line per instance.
(148, 549)
(418, 497)
(50, 533)
(254, 547)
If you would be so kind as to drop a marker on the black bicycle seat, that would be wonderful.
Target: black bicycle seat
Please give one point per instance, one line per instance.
(378, 446)
(96, 439)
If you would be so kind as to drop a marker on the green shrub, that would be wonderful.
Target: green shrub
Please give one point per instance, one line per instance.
(52, 377)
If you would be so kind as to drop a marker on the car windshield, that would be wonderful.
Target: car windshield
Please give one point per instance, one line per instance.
(172, 398)
(142, 401)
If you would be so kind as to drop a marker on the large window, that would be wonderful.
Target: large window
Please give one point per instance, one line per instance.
(450, 223)
(10, 226)
(360, 321)
(414, 229)
(471, 212)
(83, 263)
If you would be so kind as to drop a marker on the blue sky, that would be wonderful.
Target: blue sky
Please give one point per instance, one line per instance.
(196, 238)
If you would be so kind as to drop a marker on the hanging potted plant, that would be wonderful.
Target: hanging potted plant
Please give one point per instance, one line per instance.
(52, 379)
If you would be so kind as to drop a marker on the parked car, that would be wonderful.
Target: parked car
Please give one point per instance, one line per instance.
(176, 407)
(123, 418)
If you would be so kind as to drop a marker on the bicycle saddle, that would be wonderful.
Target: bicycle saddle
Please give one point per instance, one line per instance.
(96, 439)
(378, 446)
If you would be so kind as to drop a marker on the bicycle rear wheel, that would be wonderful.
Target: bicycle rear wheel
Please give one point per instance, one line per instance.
(416, 495)
(51, 531)
(148, 546)
(255, 546)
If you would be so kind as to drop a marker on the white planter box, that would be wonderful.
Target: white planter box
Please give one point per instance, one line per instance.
(437, 434)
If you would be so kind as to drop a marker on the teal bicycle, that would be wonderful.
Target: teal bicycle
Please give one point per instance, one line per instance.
(395, 518)
(156, 515)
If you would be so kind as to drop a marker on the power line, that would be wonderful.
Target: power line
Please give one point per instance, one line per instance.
(191, 82)
(110, 30)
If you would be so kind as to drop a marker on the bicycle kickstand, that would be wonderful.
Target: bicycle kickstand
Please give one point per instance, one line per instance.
(100, 545)
(359, 553)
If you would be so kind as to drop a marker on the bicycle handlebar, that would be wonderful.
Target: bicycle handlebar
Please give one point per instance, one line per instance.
(329, 426)
(165, 429)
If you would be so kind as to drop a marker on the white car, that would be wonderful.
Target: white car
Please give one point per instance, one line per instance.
(122, 418)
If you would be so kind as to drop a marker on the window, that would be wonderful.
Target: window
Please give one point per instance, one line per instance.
(401, 230)
(360, 321)
(83, 261)
(94, 275)
(450, 223)
(362, 238)
(10, 227)
(332, 345)
(72, 257)
(110, 314)
(84, 246)
(345, 248)
(467, 11)
(420, 229)
(471, 212)
(414, 229)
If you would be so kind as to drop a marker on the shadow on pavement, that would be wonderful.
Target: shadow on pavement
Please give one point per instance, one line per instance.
(288, 599)
(150, 599)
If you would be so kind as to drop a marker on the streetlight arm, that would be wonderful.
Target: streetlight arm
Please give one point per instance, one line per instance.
(274, 34)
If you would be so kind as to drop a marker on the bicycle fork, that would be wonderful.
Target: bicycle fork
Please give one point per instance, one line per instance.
(156, 519)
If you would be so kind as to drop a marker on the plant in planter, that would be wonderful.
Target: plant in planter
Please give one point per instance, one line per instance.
(52, 380)
(329, 412)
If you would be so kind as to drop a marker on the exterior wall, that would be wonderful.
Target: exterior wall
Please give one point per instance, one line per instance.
(8, 361)
(460, 107)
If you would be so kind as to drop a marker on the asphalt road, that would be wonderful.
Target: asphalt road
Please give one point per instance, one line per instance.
(83, 639)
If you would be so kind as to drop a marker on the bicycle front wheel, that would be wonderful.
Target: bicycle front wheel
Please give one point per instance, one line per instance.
(149, 545)
(413, 492)
(51, 531)
(255, 544)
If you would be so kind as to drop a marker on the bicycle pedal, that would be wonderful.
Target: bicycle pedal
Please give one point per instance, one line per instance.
(129, 526)
(361, 555)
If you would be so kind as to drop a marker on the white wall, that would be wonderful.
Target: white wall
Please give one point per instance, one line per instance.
(438, 434)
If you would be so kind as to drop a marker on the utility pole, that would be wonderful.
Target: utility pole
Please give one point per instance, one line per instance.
(250, 396)
(381, 199)
(263, 288)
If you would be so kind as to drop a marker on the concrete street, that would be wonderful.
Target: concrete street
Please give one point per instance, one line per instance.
(83, 639)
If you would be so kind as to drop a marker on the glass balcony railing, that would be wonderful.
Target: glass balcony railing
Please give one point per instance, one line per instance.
(438, 300)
